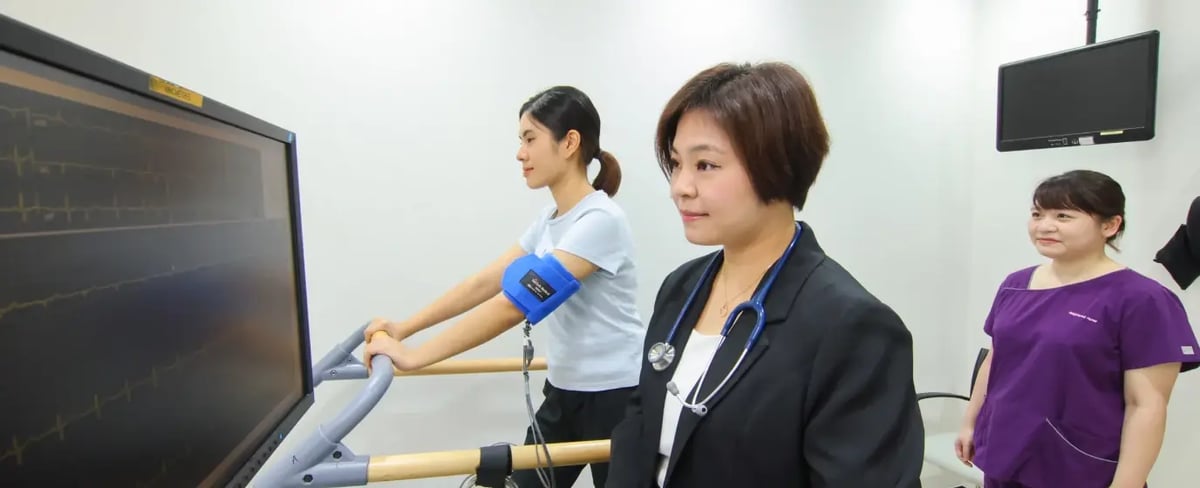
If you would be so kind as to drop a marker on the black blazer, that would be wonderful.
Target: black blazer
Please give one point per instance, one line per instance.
(825, 399)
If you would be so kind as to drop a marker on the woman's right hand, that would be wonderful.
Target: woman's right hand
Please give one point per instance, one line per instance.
(390, 328)
(964, 445)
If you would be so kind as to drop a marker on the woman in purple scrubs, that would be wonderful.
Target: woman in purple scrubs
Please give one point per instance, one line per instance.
(1085, 353)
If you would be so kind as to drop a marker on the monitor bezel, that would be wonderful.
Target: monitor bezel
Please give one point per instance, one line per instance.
(40, 46)
(1084, 138)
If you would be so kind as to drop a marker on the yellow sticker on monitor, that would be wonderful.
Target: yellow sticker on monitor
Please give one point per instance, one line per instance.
(166, 88)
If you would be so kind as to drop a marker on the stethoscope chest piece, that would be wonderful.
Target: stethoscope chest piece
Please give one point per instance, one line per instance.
(661, 356)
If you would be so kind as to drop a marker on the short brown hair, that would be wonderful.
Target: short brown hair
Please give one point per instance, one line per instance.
(771, 116)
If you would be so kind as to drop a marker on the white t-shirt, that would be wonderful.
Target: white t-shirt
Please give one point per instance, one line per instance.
(595, 337)
(692, 363)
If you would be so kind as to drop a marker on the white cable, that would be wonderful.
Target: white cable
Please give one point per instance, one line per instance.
(470, 483)
(538, 438)
(545, 475)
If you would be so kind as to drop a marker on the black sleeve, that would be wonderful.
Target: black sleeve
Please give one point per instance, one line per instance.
(863, 425)
(627, 466)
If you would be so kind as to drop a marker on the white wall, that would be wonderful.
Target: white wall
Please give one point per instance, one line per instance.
(1160, 177)
(406, 118)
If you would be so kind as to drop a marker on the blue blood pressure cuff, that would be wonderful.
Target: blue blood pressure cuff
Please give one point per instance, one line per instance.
(537, 285)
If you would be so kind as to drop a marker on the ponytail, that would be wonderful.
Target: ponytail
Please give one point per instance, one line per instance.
(562, 109)
(609, 178)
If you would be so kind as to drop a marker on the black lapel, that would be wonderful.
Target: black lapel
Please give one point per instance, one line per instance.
(804, 258)
(655, 385)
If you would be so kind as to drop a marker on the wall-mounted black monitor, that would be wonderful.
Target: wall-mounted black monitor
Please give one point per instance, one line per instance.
(1095, 94)
(153, 330)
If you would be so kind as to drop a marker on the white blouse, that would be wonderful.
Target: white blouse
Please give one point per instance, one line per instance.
(692, 362)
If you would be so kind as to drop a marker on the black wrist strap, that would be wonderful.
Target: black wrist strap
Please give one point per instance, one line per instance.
(495, 464)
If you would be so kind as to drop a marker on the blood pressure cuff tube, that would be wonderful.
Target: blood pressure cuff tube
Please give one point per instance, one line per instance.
(538, 285)
(1181, 255)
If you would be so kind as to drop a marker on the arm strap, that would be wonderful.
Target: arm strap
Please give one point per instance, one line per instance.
(537, 285)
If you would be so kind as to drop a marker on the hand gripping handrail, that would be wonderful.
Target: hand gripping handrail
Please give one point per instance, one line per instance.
(340, 363)
(322, 460)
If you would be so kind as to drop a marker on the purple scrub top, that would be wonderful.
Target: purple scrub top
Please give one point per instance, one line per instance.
(1055, 400)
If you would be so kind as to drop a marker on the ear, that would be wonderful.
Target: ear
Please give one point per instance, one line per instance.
(1110, 227)
(570, 143)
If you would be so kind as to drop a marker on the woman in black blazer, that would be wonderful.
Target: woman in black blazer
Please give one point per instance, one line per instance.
(824, 396)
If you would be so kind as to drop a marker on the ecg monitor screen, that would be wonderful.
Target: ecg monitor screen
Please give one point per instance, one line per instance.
(148, 301)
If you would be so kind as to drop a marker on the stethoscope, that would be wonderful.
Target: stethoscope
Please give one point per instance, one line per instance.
(662, 354)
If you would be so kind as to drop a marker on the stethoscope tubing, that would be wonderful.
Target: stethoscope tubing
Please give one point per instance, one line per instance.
(662, 354)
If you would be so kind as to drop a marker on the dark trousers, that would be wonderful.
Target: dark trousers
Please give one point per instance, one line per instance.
(569, 416)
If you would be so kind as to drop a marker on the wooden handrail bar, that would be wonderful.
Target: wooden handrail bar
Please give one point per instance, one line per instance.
(394, 467)
(470, 366)
(316, 462)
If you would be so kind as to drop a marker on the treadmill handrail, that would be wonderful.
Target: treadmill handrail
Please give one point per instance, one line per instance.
(340, 363)
(326, 442)
(434, 464)
(322, 460)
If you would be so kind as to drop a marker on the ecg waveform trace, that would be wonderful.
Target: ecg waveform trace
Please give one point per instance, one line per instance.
(97, 410)
(20, 161)
(149, 174)
(216, 271)
(101, 400)
(38, 119)
(115, 286)
(24, 206)
(147, 276)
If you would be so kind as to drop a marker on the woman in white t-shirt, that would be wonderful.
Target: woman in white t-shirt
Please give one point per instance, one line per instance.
(595, 337)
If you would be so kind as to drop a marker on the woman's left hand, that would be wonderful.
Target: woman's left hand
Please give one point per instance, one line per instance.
(401, 356)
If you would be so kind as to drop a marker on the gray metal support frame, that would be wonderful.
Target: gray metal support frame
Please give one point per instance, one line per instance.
(341, 363)
(321, 460)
